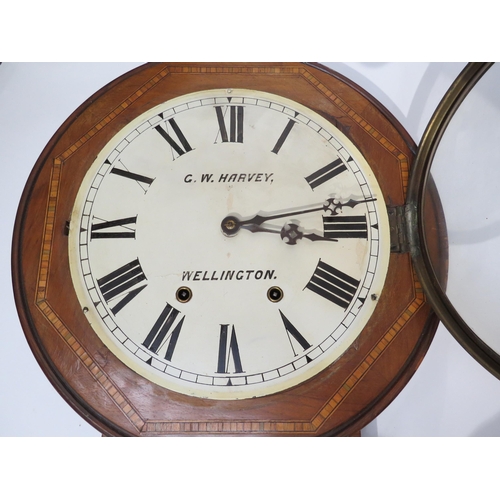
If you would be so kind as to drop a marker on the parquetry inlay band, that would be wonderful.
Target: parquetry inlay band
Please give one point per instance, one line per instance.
(243, 427)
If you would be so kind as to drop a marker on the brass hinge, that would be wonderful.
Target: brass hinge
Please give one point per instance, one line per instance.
(398, 223)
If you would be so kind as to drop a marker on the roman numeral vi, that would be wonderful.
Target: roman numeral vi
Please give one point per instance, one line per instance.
(226, 352)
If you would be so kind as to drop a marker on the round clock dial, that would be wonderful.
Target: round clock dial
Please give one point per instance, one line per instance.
(229, 244)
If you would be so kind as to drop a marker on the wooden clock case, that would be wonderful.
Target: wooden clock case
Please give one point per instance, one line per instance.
(114, 399)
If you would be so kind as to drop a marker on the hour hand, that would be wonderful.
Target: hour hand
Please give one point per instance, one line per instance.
(290, 233)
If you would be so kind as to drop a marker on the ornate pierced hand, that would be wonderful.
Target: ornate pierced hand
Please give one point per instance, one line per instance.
(231, 224)
(290, 233)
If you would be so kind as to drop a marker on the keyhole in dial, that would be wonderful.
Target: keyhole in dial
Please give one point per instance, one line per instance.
(275, 294)
(184, 294)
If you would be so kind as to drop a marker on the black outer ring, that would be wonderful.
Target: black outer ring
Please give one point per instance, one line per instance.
(418, 184)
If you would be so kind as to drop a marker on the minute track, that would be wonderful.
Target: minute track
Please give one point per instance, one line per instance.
(215, 345)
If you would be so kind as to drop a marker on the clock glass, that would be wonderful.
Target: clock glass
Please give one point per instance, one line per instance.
(229, 244)
(460, 149)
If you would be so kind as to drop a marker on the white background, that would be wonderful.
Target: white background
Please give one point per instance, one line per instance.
(450, 395)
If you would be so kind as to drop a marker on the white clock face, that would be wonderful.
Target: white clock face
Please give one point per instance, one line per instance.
(229, 244)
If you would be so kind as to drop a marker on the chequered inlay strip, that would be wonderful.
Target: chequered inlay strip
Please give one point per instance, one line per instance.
(153, 427)
(43, 305)
(268, 70)
(111, 116)
(45, 257)
(156, 427)
(335, 99)
(366, 126)
(362, 369)
(165, 427)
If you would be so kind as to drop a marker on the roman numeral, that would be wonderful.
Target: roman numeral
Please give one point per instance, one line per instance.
(284, 135)
(131, 175)
(235, 123)
(226, 352)
(160, 333)
(181, 148)
(345, 226)
(98, 231)
(122, 280)
(326, 173)
(292, 332)
(333, 285)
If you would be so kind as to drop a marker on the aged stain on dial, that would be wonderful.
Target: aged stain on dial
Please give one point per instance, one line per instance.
(229, 244)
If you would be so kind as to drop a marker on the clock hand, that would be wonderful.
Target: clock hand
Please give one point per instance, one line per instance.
(255, 228)
(264, 217)
(290, 233)
(333, 206)
(231, 224)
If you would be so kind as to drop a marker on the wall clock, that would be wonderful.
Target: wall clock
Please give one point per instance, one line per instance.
(220, 249)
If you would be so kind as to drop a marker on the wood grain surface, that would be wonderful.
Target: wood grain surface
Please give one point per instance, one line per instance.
(113, 398)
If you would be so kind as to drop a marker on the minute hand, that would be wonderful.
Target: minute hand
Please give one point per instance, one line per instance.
(264, 217)
(330, 205)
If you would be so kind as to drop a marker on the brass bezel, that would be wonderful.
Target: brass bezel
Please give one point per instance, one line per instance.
(419, 183)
